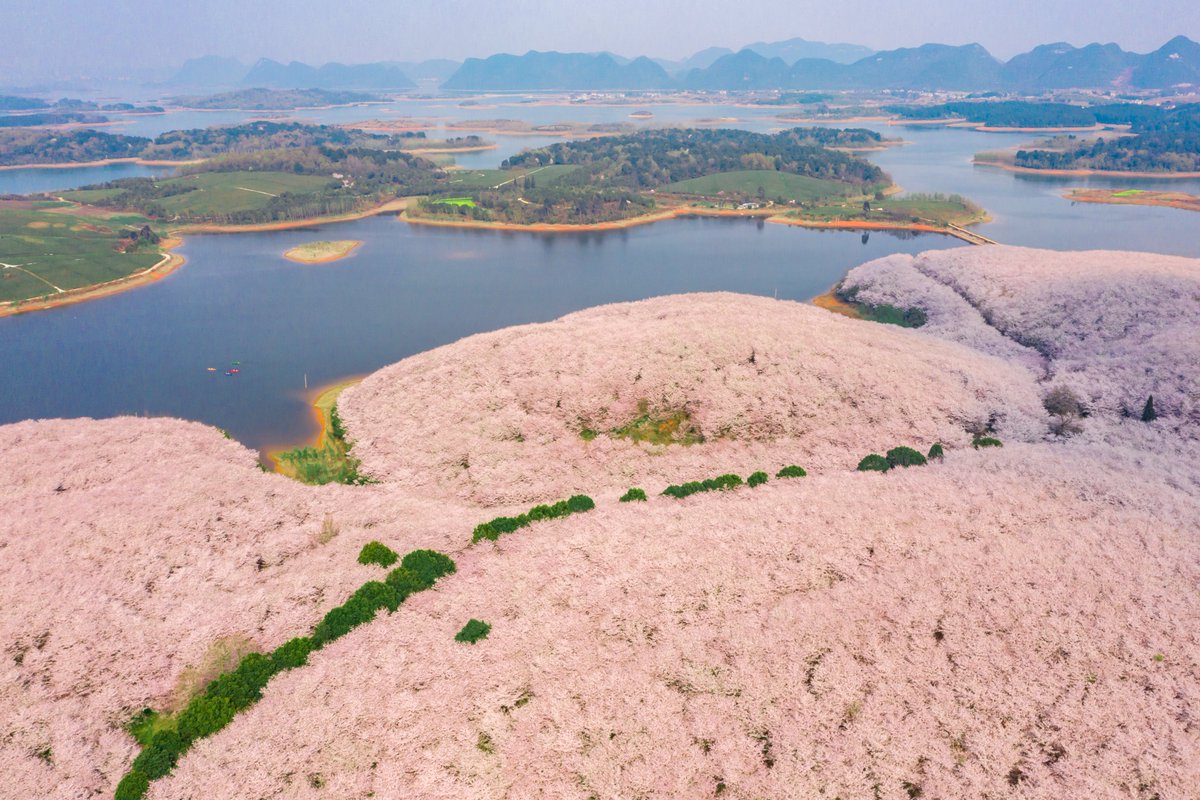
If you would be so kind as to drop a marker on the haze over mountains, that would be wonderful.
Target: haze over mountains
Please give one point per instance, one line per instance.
(791, 64)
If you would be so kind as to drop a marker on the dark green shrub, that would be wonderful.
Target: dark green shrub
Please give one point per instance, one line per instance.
(341, 620)
(132, 787)
(1148, 412)
(874, 463)
(634, 495)
(580, 503)
(756, 479)
(406, 583)
(293, 653)
(491, 531)
(243, 686)
(377, 553)
(204, 716)
(539, 513)
(159, 758)
(429, 565)
(473, 631)
(719, 483)
(484, 530)
(509, 524)
(791, 472)
(728, 481)
(378, 594)
(986, 441)
(905, 457)
(143, 726)
(936, 451)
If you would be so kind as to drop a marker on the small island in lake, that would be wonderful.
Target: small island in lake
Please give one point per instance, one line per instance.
(322, 252)
(1135, 197)
(1160, 143)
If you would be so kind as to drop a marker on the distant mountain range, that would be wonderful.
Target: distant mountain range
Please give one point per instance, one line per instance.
(790, 51)
(536, 70)
(791, 64)
(766, 66)
(215, 71)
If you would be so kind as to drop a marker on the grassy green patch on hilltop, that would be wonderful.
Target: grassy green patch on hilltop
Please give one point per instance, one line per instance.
(768, 184)
(329, 460)
(455, 201)
(663, 426)
(204, 195)
(937, 210)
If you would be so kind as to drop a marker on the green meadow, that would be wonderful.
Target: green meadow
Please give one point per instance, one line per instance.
(219, 192)
(774, 185)
(43, 252)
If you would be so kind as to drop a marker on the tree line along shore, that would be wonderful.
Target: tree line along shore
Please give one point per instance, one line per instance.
(266, 175)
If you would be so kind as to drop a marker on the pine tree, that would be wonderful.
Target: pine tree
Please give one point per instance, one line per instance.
(1148, 412)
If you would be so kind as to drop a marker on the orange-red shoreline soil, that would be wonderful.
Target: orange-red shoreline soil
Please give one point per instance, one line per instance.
(682, 211)
(104, 163)
(1085, 172)
(169, 263)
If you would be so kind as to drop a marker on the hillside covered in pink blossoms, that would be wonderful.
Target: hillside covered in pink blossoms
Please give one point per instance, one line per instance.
(1020, 621)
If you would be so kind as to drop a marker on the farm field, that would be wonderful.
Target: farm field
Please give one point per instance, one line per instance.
(774, 185)
(220, 192)
(491, 178)
(915, 208)
(45, 252)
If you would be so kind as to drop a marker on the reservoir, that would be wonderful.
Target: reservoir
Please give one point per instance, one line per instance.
(409, 288)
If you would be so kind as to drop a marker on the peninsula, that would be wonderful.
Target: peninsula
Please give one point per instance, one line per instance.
(270, 175)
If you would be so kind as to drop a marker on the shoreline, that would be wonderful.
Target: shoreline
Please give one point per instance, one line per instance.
(173, 261)
(831, 302)
(399, 204)
(1183, 202)
(106, 162)
(166, 265)
(1077, 173)
(450, 150)
(319, 400)
(766, 214)
(338, 256)
(984, 128)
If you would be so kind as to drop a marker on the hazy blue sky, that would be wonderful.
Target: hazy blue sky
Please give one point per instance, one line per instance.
(59, 38)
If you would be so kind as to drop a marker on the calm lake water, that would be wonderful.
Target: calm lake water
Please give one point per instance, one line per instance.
(409, 288)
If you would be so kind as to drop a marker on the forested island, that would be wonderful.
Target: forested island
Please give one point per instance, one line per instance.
(281, 185)
(11, 103)
(606, 179)
(1032, 114)
(800, 176)
(1164, 142)
(26, 147)
(50, 119)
